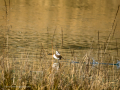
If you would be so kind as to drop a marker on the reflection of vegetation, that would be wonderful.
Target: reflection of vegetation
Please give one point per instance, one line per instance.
(2, 44)
(82, 4)
(75, 47)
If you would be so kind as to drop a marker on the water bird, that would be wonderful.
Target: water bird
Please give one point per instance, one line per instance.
(57, 56)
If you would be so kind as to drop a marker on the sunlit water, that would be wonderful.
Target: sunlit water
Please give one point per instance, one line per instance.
(32, 24)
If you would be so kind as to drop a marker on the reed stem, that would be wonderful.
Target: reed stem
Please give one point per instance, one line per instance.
(114, 30)
(47, 39)
(116, 47)
(107, 41)
(62, 36)
(115, 16)
(98, 46)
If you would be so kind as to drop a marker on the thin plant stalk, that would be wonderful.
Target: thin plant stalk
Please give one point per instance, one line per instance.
(62, 36)
(98, 45)
(114, 30)
(108, 39)
(47, 39)
(52, 44)
(115, 16)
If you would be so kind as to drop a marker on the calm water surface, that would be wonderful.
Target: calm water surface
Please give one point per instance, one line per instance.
(30, 26)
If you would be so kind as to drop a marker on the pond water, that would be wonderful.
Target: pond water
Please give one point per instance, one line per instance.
(31, 25)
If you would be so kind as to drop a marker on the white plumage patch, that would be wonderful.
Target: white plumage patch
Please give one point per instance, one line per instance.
(57, 53)
(55, 57)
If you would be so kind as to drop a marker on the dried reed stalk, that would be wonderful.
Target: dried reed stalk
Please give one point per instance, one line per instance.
(108, 39)
(117, 47)
(47, 39)
(62, 35)
(98, 46)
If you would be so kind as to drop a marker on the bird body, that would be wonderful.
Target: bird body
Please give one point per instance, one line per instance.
(57, 56)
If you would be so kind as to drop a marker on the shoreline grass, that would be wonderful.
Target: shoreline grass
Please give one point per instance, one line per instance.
(37, 75)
